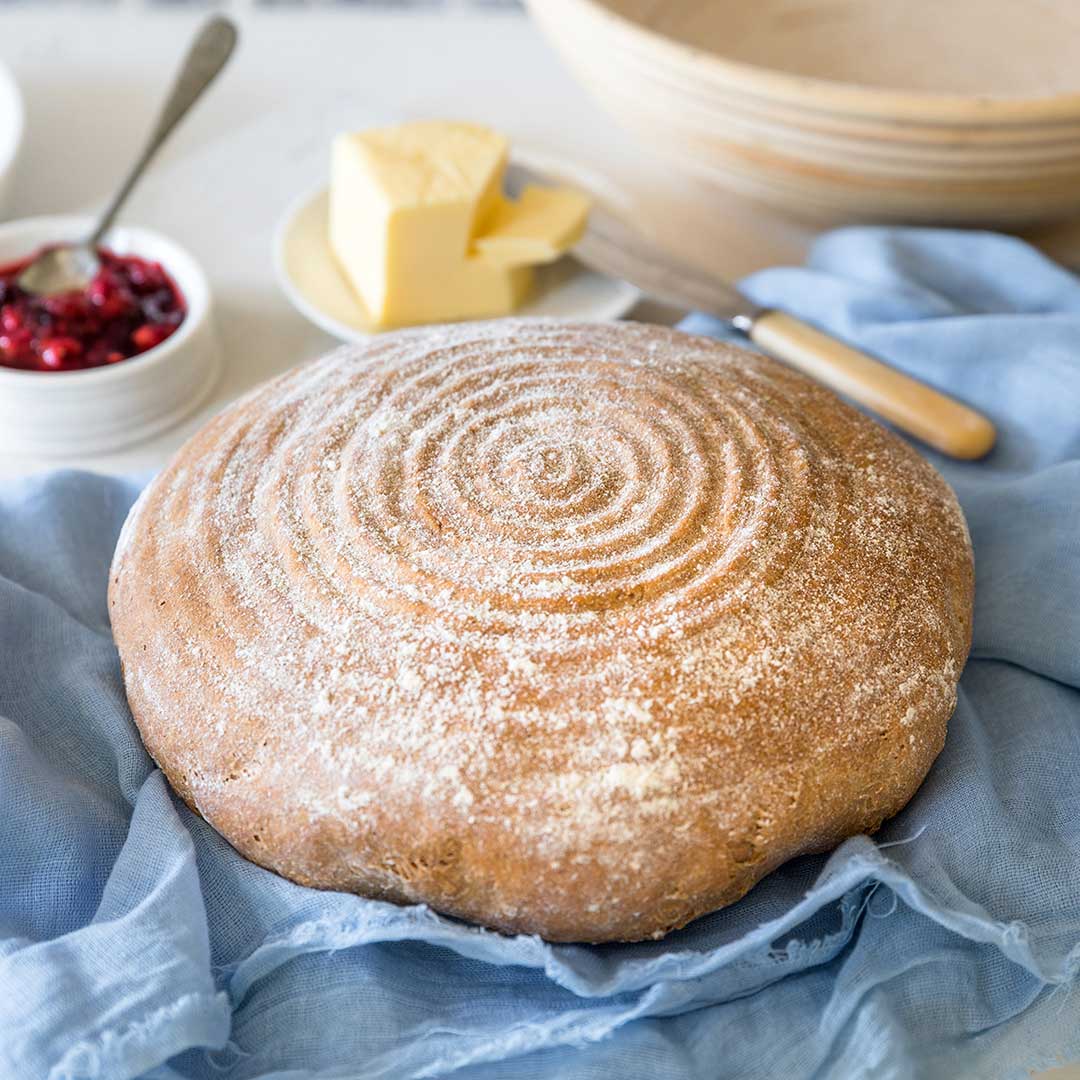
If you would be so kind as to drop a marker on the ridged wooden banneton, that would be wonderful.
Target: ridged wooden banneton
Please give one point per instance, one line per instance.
(576, 630)
(964, 112)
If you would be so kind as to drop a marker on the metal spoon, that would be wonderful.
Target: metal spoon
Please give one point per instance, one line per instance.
(73, 266)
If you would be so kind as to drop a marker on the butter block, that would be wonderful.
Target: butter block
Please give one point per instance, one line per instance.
(405, 204)
(542, 225)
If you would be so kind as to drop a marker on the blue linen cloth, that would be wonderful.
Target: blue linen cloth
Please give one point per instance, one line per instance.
(134, 942)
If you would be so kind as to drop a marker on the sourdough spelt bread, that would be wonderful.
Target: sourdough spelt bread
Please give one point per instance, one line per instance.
(575, 630)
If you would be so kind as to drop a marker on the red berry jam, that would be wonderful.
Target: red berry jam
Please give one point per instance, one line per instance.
(131, 306)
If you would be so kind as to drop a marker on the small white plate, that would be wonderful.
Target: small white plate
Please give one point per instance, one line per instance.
(309, 276)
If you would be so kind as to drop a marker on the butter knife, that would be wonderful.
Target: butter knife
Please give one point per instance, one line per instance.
(613, 247)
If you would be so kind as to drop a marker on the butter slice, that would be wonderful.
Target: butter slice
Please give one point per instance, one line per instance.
(405, 203)
(542, 225)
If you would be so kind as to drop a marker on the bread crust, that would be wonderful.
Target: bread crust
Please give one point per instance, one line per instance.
(573, 630)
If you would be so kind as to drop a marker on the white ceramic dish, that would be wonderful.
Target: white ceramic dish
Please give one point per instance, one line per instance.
(61, 413)
(12, 125)
(310, 277)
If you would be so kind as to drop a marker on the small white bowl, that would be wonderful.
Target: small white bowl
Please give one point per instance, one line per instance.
(59, 413)
(12, 125)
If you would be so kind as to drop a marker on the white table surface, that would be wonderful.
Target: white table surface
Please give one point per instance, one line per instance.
(93, 78)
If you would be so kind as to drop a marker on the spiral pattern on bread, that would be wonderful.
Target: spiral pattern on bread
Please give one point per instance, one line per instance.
(565, 629)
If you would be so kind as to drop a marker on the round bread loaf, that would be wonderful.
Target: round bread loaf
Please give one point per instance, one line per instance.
(575, 630)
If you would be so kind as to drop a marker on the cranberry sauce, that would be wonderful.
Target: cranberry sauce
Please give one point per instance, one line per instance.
(130, 306)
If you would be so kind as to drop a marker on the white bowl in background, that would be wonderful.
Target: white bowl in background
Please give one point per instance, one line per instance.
(12, 125)
(682, 76)
(92, 411)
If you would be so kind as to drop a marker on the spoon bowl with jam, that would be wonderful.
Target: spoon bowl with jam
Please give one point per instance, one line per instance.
(130, 304)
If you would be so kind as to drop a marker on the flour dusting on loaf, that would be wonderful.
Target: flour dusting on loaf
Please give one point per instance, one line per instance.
(576, 630)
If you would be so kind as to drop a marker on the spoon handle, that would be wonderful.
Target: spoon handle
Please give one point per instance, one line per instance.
(212, 47)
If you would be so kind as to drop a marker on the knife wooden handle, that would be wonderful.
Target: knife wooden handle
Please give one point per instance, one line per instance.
(938, 420)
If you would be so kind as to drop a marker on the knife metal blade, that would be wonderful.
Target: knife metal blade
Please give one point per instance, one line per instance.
(612, 247)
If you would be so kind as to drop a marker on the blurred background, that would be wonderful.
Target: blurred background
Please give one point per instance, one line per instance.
(92, 74)
(731, 166)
